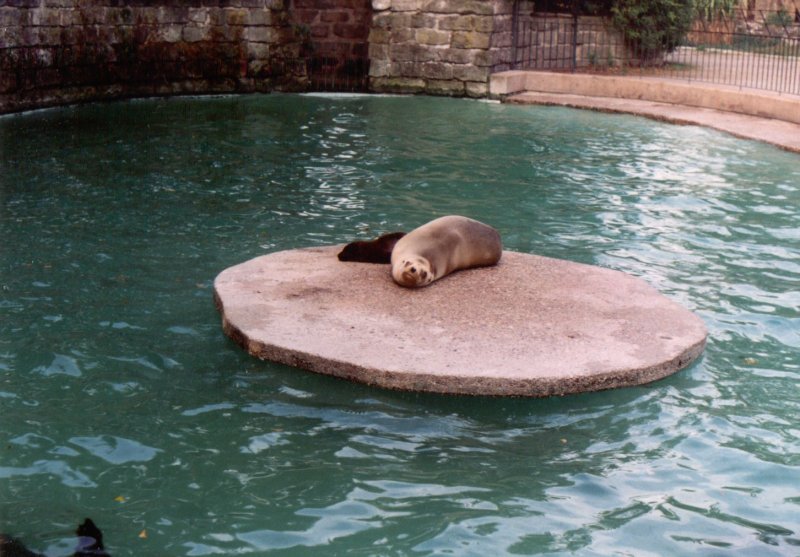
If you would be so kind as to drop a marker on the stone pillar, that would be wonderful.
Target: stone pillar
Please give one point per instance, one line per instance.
(439, 47)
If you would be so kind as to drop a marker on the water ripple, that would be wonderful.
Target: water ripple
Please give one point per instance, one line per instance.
(123, 400)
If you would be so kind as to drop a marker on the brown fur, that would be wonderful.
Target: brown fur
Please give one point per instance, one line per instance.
(442, 246)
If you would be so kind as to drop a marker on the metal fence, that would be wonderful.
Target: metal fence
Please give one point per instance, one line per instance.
(743, 49)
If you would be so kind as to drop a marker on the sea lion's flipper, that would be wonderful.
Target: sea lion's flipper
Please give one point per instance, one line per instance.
(378, 250)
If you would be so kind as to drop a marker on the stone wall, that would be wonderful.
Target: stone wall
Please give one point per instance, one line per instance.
(441, 47)
(61, 51)
(334, 36)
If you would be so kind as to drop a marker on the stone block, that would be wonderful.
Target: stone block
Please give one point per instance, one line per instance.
(423, 20)
(14, 36)
(23, 3)
(476, 90)
(457, 23)
(11, 17)
(198, 15)
(170, 33)
(411, 52)
(436, 70)
(406, 69)
(450, 88)
(464, 56)
(480, 23)
(192, 34)
(469, 72)
(235, 16)
(397, 85)
(406, 5)
(480, 7)
(378, 51)
(258, 51)
(169, 14)
(383, 20)
(381, 5)
(259, 17)
(432, 37)
(380, 68)
(227, 33)
(258, 34)
(45, 17)
(401, 35)
(378, 36)
(470, 39)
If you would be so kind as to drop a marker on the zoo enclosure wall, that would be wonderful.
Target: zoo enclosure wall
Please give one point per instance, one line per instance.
(56, 52)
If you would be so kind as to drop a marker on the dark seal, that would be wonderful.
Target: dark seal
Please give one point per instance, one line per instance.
(90, 543)
(378, 250)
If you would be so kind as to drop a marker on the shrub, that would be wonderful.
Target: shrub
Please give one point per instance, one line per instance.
(652, 28)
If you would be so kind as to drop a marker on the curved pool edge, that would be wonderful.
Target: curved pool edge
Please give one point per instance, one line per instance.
(290, 307)
(748, 114)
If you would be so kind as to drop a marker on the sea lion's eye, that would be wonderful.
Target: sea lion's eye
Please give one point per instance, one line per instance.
(413, 270)
(424, 274)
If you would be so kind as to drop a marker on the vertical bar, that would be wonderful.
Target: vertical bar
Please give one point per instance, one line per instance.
(514, 33)
(574, 35)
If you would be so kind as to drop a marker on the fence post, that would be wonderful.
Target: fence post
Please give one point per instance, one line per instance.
(575, 11)
(514, 34)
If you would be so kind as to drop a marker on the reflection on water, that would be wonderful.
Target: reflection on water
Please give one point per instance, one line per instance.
(122, 400)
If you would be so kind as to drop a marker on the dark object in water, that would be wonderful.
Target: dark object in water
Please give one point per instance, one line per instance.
(90, 540)
(378, 250)
(90, 543)
(12, 547)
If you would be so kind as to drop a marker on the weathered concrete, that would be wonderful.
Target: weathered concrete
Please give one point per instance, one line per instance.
(758, 115)
(530, 326)
(785, 135)
(763, 104)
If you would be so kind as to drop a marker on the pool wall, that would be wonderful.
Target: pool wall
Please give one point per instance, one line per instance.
(55, 52)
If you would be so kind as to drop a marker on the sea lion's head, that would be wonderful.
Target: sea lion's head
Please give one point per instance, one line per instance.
(413, 272)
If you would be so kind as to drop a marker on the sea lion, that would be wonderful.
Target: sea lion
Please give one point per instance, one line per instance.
(442, 246)
(90, 543)
(378, 250)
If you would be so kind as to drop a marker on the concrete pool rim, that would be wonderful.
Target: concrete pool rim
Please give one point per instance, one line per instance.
(765, 116)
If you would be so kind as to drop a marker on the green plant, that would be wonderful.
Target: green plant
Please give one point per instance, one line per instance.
(780, 18)
(652, 28)
(710, 10)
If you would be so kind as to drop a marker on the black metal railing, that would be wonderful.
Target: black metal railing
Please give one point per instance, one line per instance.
(744, 49)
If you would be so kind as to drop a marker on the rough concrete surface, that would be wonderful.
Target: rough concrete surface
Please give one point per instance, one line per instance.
(529, 326)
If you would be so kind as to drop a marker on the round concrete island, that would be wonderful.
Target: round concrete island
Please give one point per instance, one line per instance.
(529, 326)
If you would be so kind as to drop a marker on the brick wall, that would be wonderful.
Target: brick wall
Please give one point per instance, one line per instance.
(334, 34)
(60, 51)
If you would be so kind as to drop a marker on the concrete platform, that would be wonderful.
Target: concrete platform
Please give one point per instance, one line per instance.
(530, 326)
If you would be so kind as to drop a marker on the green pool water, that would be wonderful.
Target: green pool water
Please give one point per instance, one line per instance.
(123, 401)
